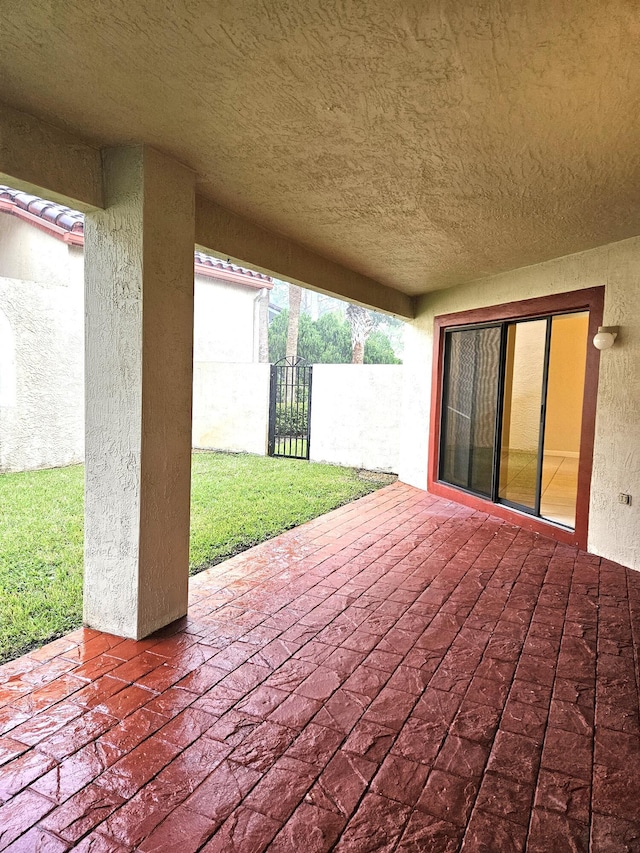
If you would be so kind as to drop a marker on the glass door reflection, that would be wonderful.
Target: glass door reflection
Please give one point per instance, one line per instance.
(563, 420)
(522, 401)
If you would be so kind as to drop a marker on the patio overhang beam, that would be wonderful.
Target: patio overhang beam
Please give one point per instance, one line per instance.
(226, 233)
(41, 159)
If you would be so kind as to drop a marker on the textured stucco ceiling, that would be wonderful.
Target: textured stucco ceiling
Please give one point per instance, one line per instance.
(422, 144)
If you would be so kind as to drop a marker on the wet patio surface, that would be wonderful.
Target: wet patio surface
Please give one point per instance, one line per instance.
(402, 674)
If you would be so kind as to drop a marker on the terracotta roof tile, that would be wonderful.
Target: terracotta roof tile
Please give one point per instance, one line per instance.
(217, 263)
(58, 214)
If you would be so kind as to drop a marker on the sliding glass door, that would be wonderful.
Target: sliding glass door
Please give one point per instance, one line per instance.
(511, 412)
(469, 410)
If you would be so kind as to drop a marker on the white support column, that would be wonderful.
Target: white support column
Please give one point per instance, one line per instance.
(139, 363)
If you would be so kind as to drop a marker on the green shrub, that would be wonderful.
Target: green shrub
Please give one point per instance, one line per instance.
(292, 420)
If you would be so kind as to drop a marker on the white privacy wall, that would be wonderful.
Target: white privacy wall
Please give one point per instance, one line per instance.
(42, 349)
(41, 358)
(231, 407)
(355, 415)
(614, 529)
(224, 321)
(355, 412)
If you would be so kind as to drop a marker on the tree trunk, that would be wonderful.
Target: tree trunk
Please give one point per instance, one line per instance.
(295, 296)
(361, 323)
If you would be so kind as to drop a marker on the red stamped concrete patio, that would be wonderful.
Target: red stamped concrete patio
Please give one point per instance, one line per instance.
(402, 674)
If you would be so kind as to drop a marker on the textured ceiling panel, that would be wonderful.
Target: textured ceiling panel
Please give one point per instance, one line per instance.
(421, 144)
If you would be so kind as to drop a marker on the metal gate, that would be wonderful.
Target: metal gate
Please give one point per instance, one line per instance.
(290, 408)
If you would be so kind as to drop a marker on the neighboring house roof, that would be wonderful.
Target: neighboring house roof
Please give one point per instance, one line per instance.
(216, 268)
(68, 225)
(54, 218)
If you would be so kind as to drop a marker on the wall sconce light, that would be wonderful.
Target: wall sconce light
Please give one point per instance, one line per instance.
(605, 337)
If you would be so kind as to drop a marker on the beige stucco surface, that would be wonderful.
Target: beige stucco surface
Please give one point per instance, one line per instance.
(419, 145)
(614, 529)
(224, 321)
(226, 233)
(231, 407)
(139, 355)
(28, 253)
(355, 415)
(35, 155)
(42, 343)
(355, 411)
(41, 349)
(8, 368)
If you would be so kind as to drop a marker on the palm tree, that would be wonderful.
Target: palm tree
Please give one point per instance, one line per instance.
(295, 297)
(361, 323)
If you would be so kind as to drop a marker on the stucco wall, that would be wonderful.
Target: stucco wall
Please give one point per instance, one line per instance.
(42, 421)
(8, 367)
(139, 358)
(42, 344)
(355, 415)
(224, 319)
(355, 411)
(614, 529)
(231, 406)
(28, 253)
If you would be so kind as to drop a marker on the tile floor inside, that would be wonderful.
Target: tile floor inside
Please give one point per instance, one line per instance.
(559, 484)
(402, 674)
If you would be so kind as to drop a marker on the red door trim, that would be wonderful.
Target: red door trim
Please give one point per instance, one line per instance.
(590, 299)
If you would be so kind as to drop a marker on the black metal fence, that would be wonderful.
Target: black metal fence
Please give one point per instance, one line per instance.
(290, 408)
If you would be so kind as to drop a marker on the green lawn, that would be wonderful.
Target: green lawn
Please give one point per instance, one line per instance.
(236, 502)
(291, 447)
